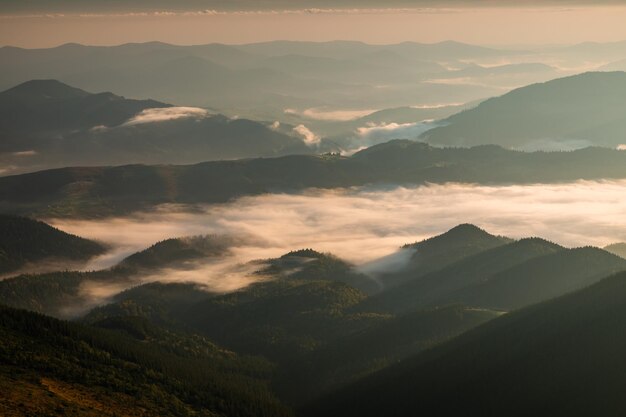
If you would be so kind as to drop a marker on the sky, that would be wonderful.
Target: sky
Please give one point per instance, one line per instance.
(38, 23)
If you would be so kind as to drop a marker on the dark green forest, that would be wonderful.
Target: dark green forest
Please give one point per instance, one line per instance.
(102, 191)
(312, 334)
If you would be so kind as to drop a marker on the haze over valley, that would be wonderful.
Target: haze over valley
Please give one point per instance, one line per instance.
(312, 208)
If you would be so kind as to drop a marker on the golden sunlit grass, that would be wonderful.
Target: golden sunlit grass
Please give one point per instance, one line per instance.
(49, 397)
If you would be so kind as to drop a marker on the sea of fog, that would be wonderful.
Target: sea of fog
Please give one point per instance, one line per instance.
(365, 224)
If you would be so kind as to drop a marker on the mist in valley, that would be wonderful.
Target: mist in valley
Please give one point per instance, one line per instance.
(361, 225)
(312, 208)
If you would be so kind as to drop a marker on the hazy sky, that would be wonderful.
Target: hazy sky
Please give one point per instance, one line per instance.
(38, 23)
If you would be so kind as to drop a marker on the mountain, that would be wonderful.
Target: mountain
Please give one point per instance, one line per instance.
(120, 190)
(506, 278)
(275, 318)
(563, 357)
(175, 251)
(159, 303)
(301, 324)
(62, 293)
(280, 318)
(45, 123)
(540, 279)
(618, 249)
(307, 264)
(51, 107)
(25, 241)
(428, 287)
(357, 355)
(567, 113)
(261, 80)
(437, 252)
(124, 367)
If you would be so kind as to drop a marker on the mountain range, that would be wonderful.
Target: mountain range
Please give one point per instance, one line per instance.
(562, 114)
(98, 191)
(45, 123)
(261, 80)
(289, 154)
(311, 332)
(560, 356)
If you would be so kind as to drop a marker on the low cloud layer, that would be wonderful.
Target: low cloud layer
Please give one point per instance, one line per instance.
(166, 114)
(362, 225)
(555, 145)
(373, 134)
(366, 226)
(330, 115)
(308, 136)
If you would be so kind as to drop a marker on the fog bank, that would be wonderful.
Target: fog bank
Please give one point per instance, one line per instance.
(363, 224)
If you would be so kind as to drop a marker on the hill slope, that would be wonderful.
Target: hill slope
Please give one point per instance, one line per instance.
(567, 113)
(24, 241)
(562, 357)
(50, 367)
(50, 106)
(45, 123)
(101, 190)
(618, 249)
(357, 355)
(440, 251)
(505, 278)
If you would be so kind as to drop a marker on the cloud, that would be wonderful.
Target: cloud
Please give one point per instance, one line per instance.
(310, 138)
(364, 224)
(555, 145)
(331, 115)
(251, 10)
(24, 153)
(165, 114)
(436, 106)
(373, 134)
(8, 169)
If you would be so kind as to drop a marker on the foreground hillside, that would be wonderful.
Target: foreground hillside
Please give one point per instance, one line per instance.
(101, 191)
(49, 367)
(561, 357)
(303, 334)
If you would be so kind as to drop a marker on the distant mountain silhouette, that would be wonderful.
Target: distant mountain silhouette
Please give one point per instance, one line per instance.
(618, 249)
(399, 162)
(566, 113)
(45, 123)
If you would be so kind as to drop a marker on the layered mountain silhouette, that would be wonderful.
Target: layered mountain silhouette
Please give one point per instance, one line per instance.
(45, 123)
(101, 190)
(558, 357)
(256, 79)
(324, 330)
(618, 249)
(505, 278)
(49, 107)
